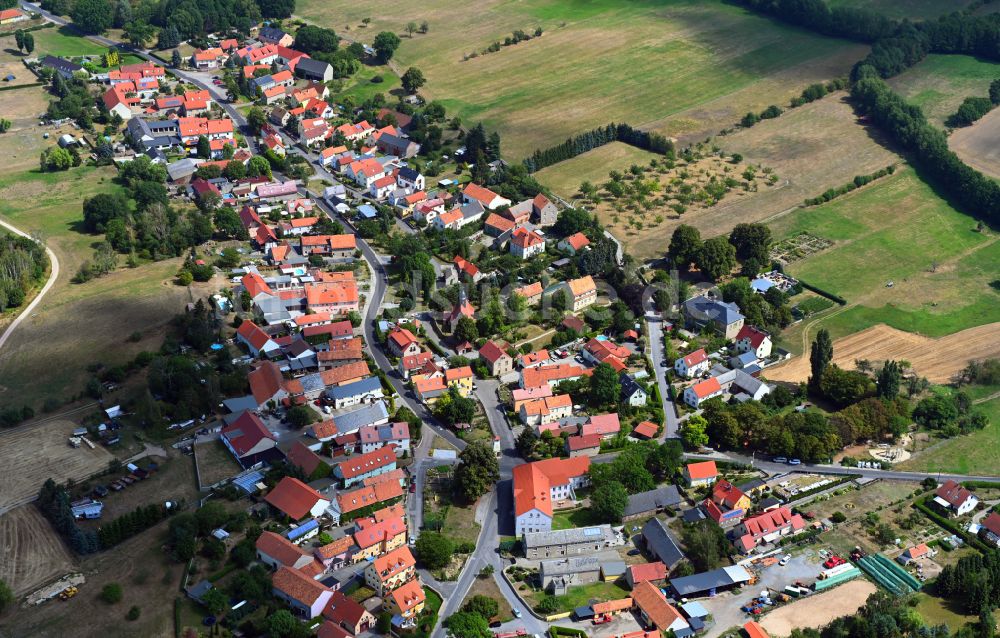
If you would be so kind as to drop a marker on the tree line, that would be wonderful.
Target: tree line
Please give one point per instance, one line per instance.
(974, 107)
(896, 47)
(22, 265)
(595, 138)
(928, 146)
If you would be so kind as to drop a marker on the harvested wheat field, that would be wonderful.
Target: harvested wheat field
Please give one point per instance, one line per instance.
(34, 453)
(936, 359)
(979, 145)
(819, 610)
(30, 551)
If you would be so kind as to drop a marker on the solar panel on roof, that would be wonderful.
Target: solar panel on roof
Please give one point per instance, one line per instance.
(592, 531)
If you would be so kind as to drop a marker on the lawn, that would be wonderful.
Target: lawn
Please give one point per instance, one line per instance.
(682, 67)
(569, 519)
(63, 42)
(938, 611)
(969, 454)
(939, 83)
(360, 86)
(899, 230)
(593, 166)
(579, 596)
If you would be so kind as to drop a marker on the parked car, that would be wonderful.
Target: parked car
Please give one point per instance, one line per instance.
(785, 559)
(634, 552)
(794, 462)
(516, 612)
(780, 459)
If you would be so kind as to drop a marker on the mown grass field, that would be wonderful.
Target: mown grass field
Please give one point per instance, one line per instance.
(969, 454)
(682, 67)
(911, 9)
(939, 83)
(62, 42)
(899, 230)
(593, 166)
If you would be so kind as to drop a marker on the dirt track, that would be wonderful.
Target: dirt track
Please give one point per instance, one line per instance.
(819, 609)
(30, 551)
(936, 359)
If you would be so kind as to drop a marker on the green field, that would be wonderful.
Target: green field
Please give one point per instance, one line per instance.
(64, 43)
(898, 230)
(593, 166)
(683, 67)
(939, 83)
(360, 86)
(969, 454)
(911, 9)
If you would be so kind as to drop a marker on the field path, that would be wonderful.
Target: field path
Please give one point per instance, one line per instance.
(53, 274)
(937, 359)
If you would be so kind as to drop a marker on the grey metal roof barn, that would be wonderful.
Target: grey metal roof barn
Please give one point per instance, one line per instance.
(573, 536)
(653, 500)
(661, 542)
(715, 579)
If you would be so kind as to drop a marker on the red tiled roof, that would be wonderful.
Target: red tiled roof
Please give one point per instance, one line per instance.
(648, 571)
(954, 493)
(706, 388)
(577, 443)
(652, 601)
(491, 351)
(298, 586)
(279, 548)
(646, 429)
(695, 357)
(702, 470)
(577, 241)
(302, 457)
(755, 335)
(479, 193)
(246, 432)
(532, 482)
(293, 497)
(365, 463)
(408, 596)
(344, 610)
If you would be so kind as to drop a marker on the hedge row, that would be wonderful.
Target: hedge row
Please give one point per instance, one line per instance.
(857, 182)
(819, 291)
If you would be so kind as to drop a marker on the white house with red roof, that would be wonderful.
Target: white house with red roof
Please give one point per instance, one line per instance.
(366, 465)
(382, 187)
(296, 500)
(574, 243)
(753, 339)
(248, 439)
(703, 473)
(483, 195)
(525, 244)
(603, 425)
(305, 596)
(365, 171)
(692, 365)
(540, 485)
(989, 529)
(702, 391)
(402, 342)
(767, 528)
(258, 342)
(955, 499)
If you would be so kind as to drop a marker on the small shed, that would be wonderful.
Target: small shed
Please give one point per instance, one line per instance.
(220, 534)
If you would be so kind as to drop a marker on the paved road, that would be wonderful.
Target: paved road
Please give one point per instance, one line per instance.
(654, 332)
(26, 312)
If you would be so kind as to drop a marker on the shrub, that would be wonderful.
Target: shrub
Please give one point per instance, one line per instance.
(838, 517)
(111, 593)
(133, 613)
